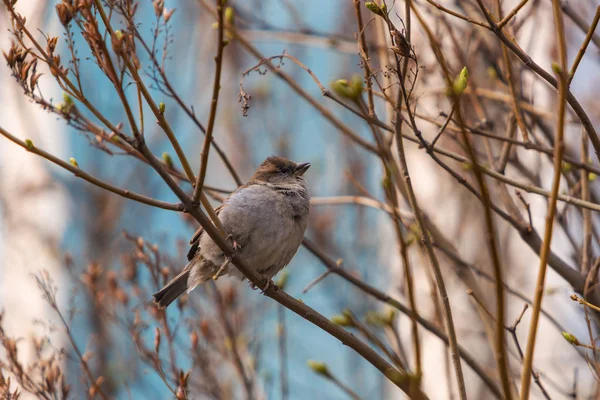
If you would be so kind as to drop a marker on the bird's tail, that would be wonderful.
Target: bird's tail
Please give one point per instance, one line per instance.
(172, 290)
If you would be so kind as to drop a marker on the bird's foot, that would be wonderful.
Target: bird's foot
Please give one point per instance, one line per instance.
(234, 244)
(222, 268)
(267, 286)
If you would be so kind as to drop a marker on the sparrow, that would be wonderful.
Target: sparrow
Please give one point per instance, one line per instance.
(265, 220)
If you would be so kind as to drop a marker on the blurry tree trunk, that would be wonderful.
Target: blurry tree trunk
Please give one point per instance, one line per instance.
(460, 216)
(33, 213)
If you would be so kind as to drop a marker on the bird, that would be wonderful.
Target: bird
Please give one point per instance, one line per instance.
(265, 220)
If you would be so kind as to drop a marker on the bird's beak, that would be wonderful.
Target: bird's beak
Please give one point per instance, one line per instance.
(301, 169)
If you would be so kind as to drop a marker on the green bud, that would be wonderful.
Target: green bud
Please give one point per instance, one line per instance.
(167, 159)
(225, 42)
(68, 99)
(414, 228)
(492, 73)
(566, 167)
(374, 318)
(300, 301)
(384, 8)
(161, 107)
(229, 15)
(460, 83)
(390, 316)
(411, 239)
(342, 320)
(67, 105)
(466, 166)
(357, 84)
(215, 26)
(556, 68)
(386, 183)
(569, 337)
(283, 279)
(395, 376)
(349, 90)
(592, 176)
(319, 368)
(464, 73)
(119, 34)
(373, 7)
(29, 143)
(73, 162)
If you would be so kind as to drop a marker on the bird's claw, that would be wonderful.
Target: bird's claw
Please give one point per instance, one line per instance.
(267, 286)
(234, 244)
(264, 289)
(226, 262)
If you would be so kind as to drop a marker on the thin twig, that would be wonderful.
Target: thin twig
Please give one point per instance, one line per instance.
(511, 14)
(443, 126)
(534, 67)
(214, 102)
(584, 45)
(79, 173)
(385, 298)
(586, 248)
(558, 153)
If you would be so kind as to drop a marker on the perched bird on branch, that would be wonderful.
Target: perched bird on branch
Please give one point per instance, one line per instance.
(265, 219)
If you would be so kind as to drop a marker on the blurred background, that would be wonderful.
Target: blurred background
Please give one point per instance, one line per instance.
(98, 248)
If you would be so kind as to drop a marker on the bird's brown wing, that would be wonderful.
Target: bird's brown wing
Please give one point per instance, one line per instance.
(195, 240)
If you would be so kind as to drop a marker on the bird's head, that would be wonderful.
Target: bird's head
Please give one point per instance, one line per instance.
(279, 170)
